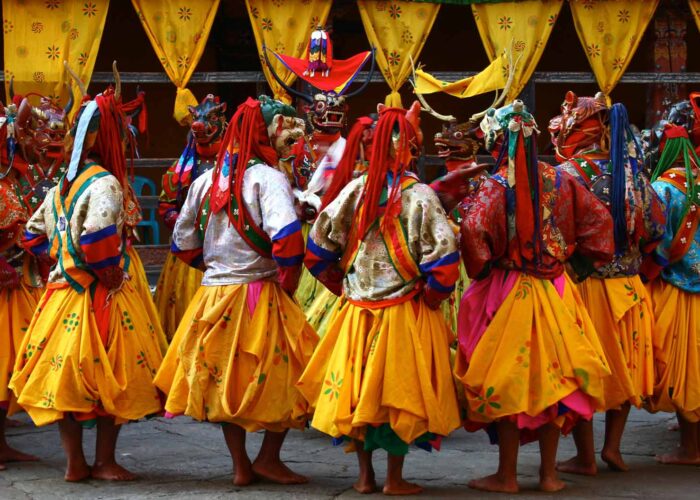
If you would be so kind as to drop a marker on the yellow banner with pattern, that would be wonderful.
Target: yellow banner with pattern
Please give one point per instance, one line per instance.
(40, 34)
(523, 27)
(285, 26)
(490, 79)
(695, 9)
(398, 30)
(178, 32)
(610, 33)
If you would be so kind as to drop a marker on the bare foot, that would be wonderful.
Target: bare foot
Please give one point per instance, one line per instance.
(8, 454)
(243, 475)
(111, 472)
(551, 484)
(494, 483)
(277, 472)
(3, 467)
(574, 465)
(77, 472)
(614, 460)
(674, 427)
(366, 484)
(678, 457)
(401, 488)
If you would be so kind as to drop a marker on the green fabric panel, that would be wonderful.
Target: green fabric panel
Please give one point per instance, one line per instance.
(385, 438)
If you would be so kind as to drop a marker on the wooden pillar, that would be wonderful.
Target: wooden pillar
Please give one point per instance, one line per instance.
(670, 55)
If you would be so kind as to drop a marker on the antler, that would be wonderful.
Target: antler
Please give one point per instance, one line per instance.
(424, 104)
(69, 104)
(117, 82)
(499, 98)
(78, 81)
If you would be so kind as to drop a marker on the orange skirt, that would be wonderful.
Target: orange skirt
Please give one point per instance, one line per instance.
(676, 350)
(16, 310)
(621, 312)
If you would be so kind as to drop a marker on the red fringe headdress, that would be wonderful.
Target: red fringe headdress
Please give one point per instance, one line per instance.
(346, 167)
(246, 138)
(105, 136)
(391, 154)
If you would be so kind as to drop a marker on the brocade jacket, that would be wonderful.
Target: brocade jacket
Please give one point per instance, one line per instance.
(83, 229)
(648, 227)
(683, 273)
(577, 227)
(217, 245)
(377, 272)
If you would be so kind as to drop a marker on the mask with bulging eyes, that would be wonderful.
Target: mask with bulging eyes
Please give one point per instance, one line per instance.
(284, 132)
(41, 130)
(208, 120)
(327, 113)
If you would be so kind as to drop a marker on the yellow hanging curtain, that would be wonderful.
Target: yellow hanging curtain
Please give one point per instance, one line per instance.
(490, 79)
(285, 27)
(398, 30)
(523, 27)
(610, 33)
(40, 34)
(178, 33)
(695, 9)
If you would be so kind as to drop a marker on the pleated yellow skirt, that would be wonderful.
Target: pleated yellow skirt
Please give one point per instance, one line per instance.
(383, 366)
(320, 313)
(16, 310)
(140, 282)
(676, 350)
(450, 307)
(622, 314)
(539, 348)
(309, 288)
(177, 285)
(66, 366)
(226, 364)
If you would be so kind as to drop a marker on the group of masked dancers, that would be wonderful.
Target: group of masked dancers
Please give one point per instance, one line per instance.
(583, 293)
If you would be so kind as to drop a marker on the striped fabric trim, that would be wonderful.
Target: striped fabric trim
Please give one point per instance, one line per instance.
(288, 245)
(36, 244)
(395, 240)
(192, 257)
(318, 259)
(287, 230)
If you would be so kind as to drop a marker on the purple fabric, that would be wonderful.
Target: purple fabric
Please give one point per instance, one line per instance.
(479, 306)
(254, 290)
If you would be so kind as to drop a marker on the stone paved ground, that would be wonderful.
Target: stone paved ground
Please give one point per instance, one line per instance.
(183, 459)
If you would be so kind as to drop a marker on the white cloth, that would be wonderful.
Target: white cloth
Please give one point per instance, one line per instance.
(227, 257)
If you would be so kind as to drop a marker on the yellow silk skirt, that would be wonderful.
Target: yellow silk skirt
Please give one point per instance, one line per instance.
(177, 285)
(622, 314)
(226, 364)
(140, 281)
(450, 307)
(388, 365)
(65, 365)
(322, 309)
(676, 350)
(16, 310)
(540, 348)
(309, 287)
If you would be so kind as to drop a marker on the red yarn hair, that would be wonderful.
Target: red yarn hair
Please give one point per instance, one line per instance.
(246, 136)
(388, 157)
(109, 145)
(346, 167)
